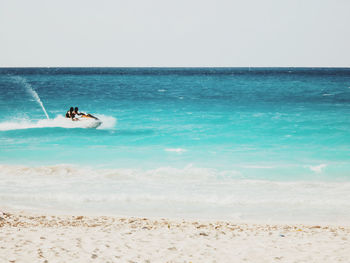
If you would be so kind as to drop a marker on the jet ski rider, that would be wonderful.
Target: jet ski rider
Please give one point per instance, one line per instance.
(71, 114)
(76, 111)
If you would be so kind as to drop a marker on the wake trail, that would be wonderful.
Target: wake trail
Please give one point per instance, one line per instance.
(108, 122)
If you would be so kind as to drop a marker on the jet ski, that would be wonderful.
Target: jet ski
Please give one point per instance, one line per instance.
(89, 120)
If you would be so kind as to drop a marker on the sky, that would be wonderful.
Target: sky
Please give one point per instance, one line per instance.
(178, 33)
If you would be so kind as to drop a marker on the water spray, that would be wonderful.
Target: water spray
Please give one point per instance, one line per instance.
(31, 91)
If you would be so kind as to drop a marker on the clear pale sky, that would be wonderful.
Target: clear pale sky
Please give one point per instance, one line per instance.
(229, 33)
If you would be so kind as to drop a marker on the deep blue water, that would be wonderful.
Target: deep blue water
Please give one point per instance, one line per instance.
(279, 124)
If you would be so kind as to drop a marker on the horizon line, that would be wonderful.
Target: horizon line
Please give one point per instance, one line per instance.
(182, 67)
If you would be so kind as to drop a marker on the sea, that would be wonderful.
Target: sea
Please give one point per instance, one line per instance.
(241, 144)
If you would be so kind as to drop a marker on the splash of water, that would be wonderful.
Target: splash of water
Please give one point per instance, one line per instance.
(31, 91)
(108, 122)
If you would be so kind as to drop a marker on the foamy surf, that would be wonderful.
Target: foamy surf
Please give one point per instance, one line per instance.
(108, 122)
(168, 191)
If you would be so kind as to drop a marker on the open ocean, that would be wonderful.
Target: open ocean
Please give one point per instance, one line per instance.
(258, 144)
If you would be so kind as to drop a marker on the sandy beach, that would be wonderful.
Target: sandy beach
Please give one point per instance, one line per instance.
(26, 237)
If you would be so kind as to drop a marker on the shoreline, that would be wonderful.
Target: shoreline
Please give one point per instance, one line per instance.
(201, 218)
(32, 237)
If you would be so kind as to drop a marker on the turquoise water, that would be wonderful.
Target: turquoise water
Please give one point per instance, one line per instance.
(211, 142)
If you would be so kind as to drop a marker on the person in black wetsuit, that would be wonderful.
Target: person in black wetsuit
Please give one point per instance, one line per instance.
(76, 111)
(70, 113)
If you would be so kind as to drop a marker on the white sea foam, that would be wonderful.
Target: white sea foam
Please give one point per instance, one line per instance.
(257, 166)
(108, 122)
(187, 173)
(318, 168)
(177, 150)
(169, 191)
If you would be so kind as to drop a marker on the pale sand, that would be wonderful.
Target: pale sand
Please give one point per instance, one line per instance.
(32, 238)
